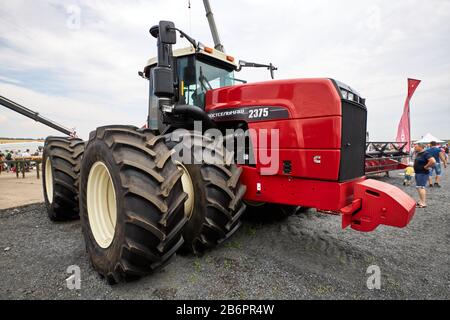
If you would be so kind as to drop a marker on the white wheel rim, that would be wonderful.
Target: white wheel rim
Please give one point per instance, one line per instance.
(188, 187)
(101, 204)
(49, 180)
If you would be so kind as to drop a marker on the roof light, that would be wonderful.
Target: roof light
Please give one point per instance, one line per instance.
(230, 58)
(208, 50)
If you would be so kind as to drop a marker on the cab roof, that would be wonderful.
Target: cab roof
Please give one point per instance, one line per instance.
(206, 51)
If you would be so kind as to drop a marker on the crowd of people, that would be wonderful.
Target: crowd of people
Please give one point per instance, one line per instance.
(11, 155)
(429, 162)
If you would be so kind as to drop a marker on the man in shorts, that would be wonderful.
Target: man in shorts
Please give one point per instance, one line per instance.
(439, 156)
(422, 164)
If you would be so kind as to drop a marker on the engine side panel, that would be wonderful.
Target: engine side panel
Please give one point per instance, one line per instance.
(306, 113)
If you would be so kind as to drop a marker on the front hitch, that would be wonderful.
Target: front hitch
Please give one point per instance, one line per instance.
(376, 203)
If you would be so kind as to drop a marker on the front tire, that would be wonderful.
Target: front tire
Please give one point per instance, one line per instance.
(214, 190)
(131, 202)
(61, 163)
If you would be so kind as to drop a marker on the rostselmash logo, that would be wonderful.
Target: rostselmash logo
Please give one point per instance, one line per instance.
(226, 113)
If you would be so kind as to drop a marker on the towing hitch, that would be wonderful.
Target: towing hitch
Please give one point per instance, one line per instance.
(376, 203)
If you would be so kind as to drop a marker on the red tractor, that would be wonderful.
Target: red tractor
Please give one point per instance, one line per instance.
(139, 204)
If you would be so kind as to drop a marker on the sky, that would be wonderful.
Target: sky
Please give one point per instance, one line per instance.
(76, 61)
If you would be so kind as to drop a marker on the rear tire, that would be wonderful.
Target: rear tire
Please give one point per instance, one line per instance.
(131, 202)
(217, 193)
(61, 163)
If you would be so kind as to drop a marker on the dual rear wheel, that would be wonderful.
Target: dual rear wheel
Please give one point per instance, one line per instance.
(60, 177)
(137, 206)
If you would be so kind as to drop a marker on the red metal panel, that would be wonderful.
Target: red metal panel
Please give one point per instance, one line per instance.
(324, 195)
(303, 164)
(312, 133)
(304, 98)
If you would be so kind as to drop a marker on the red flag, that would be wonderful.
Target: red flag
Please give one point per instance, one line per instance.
(404, 127)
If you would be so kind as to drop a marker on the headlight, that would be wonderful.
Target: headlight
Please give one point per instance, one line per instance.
(349, 94)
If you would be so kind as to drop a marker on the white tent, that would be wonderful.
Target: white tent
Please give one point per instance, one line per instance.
(428, 138)
(32, 146)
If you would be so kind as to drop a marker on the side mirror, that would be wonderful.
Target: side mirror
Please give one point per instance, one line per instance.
(165, 31)
(163, 79)
(269, 67)
(163, 82)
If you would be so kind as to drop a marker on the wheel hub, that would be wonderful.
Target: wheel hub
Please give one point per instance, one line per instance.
(101, 204)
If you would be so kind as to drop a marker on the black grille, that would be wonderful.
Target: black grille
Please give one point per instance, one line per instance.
(353, 149)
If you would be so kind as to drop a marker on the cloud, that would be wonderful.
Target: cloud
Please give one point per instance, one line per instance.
(68, 112)
(9, 80)
(81, 70)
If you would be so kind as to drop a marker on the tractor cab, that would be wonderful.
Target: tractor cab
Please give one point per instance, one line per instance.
(196, 71)
(179, 79)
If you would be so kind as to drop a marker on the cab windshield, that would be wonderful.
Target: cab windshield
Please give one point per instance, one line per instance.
(197, 76)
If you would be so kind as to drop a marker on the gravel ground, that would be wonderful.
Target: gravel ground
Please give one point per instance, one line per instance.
(306, 256)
